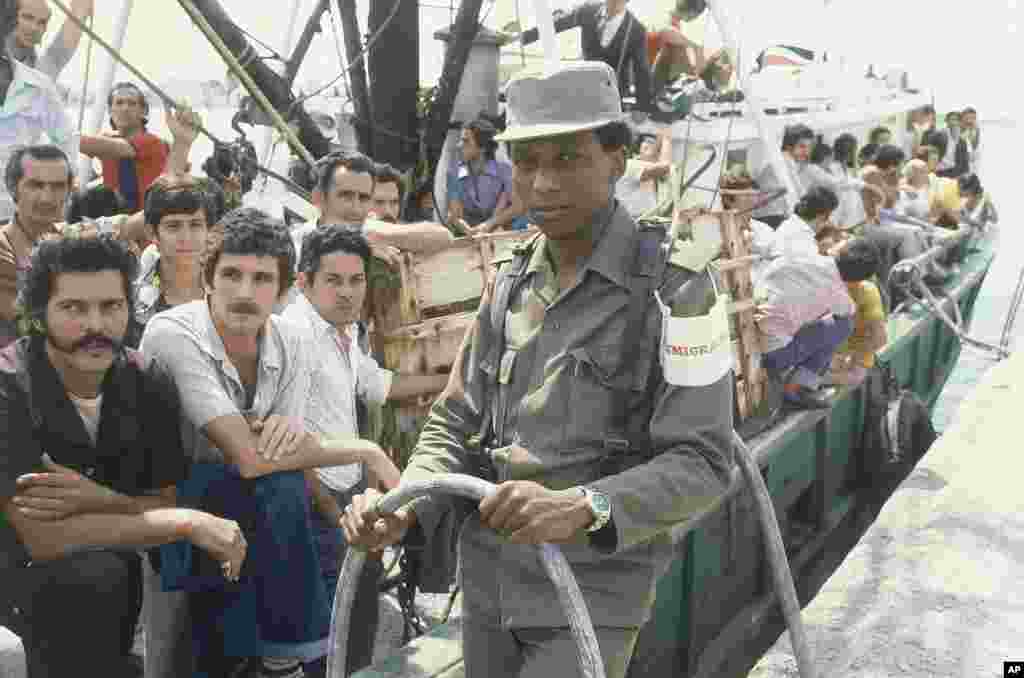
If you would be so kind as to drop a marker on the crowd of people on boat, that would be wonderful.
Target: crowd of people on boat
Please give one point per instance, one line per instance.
(188, 377)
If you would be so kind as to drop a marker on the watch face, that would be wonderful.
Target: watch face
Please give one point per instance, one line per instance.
(601, 503)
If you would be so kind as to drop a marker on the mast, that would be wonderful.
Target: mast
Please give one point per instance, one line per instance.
(467, 23)
(769, 132)
(99, 106)
(286, 46)
(546, 28)
(394, 81)
(270, 83)
(305, 39)
(357, 75)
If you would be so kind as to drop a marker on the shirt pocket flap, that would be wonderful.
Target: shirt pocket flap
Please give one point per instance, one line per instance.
(608, 364)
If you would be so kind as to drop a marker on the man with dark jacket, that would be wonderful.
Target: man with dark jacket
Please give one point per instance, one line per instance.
(955, 156)
(560, 396)
(612, 34)
(90, 451)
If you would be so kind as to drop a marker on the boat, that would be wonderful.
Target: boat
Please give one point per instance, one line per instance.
(716, 612)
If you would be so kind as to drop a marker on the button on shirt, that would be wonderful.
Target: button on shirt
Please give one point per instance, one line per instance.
(32, 107)
(185, 341)
(341, 373)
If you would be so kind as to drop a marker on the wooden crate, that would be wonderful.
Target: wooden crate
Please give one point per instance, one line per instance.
(418, 328)
(445, 283)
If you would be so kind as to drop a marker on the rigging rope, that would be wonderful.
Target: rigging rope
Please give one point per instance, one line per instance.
(1011, 314)
(362, 55)
(341, 55)
(909, 276)
(289, 134)
(165, 97)
(728, 132)
(85, 80)
(519, 27)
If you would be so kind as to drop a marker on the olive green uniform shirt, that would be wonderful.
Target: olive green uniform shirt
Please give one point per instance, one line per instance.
(561, 366)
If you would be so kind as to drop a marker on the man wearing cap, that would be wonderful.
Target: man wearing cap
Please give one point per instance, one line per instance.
(558, 396)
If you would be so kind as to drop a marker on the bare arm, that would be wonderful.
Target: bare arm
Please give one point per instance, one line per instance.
(49, 540)
(877, 335)
(60, 492)
(70, 34)
(563, 22)
(134, 228)
(410, 385)
(424, 236)
(106, 147)
(233, 436)
(183, 124)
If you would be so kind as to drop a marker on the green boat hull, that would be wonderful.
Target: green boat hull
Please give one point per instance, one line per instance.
(715, 614)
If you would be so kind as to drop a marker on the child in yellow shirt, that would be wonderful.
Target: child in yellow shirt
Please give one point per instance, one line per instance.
(857, 261)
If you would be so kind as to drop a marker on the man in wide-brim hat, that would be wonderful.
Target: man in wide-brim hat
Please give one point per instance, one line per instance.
(557, 396)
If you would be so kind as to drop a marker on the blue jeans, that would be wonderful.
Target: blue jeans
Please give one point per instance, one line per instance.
(811, 350)
(365, 617)
(280, 607)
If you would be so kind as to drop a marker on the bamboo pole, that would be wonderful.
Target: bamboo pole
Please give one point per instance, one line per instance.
(297, 52)
(243, 76)
(286, 47)
(99, 107)
(546, 28)
(85, 80)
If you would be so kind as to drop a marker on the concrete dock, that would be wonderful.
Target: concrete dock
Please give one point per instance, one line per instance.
(935, 588)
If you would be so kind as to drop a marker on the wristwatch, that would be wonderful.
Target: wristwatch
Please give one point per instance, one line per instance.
(600, 506)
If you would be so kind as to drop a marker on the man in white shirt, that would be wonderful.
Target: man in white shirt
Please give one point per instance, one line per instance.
(32, 19)
(243, 376)
(344, 190)
(29, 107)
(332, 279)
(795, 237)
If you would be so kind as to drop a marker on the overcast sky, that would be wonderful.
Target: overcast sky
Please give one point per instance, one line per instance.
(967, 52)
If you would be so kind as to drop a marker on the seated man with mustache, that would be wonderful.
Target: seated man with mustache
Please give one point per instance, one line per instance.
(244, 382)
(90, 451)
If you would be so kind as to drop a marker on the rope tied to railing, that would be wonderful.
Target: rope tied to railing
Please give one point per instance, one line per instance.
(909, 276)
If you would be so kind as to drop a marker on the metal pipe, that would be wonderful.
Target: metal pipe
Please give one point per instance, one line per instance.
(777, 560)
(907, 266)
(546, 28)
(765, 130)
(470, 487)
(286, 48)
(99, 106)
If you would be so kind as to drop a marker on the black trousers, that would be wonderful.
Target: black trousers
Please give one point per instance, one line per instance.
(77, 615)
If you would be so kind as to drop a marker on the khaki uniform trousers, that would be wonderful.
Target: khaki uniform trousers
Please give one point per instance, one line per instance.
(491, 652)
